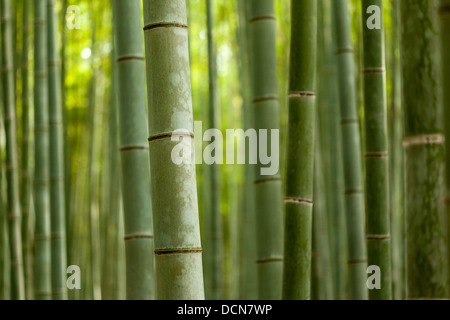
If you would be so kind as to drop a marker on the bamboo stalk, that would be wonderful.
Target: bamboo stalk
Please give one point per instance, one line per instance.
(353, 193)
(25, 179)
(5, 265)
(13, 200)
(300, 151)
(57, 200)
(175, 210)
(247, 231)
(268, 192)
(426, 237)
(42, 260)
(445, 43)
(134, 150)
(377, 201)
(334, 155)
(213, 246)
(396, 163)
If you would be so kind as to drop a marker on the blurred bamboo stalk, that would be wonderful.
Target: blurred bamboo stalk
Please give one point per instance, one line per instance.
(134, 151)
(300, 152)
(42, 245)
(57, 200)
(444, 11)
(426, 230)
(351, 143)
(268, 190)
(213, 229)
(178, 250)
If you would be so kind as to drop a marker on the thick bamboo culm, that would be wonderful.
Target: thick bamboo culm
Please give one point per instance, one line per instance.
(351, 144)
(134, 150)
(300, 151)
(26, 168)
(213, 244)
(444, 11)
(57, 200)
(12, 209)
(174, 195)
(425, 213)
(42, 245)
(376, 153)
(268, 189)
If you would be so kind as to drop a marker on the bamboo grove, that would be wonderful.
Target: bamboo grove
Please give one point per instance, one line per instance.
(224, 150)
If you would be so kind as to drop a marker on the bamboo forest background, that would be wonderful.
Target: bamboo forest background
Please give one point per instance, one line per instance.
(93, 214)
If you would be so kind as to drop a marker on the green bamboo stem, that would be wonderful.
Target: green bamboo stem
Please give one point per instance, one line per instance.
(25, 178)
(321, 255)
(42, 253)
(300, 152)
(134, 150)
(396, 163)
(334, 156)
(67, 143)
(445, 43)
(376, 156)
(13, 211)
(111, 220)
(247, 274)
(354, 193)
(57, 200)
(213, 246)
(5, 265)
(94, 111)
(175, 210)
(268, 190)
(426, 237)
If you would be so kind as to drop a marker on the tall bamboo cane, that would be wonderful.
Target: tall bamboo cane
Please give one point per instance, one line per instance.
(248, 279)
(25, 181)
(334, 154)
(426, 237)
(42, 255)
(5, 265)
(179, 271)
(396, 163)
(300, 151)
(268, 189)
(134, 150)
(13, 200)
(354, 194)
(57, 200)
(213, 248)
(377, 201)
(445, 42)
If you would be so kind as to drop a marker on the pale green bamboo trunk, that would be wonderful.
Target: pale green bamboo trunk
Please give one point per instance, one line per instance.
(338, 234)
(376, 153)
(396, 163)
(321, 280)
(213, 247)
(13, 212)
(5, 265)
(354, 193)
(426, 234)
(67, 142)
(57, 200)
(175, 210)
(134, 150)
(247, 230)
(42, 253)
(268, 189)
(445, 42)
(25, 179)
(300, 151)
